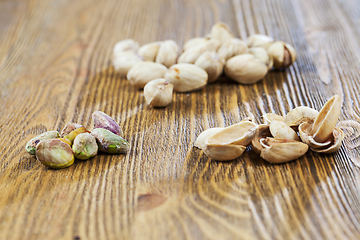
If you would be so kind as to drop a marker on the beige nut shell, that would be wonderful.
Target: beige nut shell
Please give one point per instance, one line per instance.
(168, 53)
(149, 51)
(124, 61)
(201, 139)
(212, 64)
(283, 54)
(221, 32)
(158, 93)
(192, 54)
(279, 130)
(231, 48)
(299, 115)
(259, 40)
(142, 73)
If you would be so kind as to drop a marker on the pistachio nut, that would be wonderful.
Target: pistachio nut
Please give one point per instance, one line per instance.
(127, 45)
(262, 131)
(191, 54)
(201, 139)
(194, 42)
(143, 72)
(281, 150)
(336, 140)
(186, 77)
(69, 127)
(54, 153)
(231, 48)
(65, 141)
(31, 145)
(109, 142)
(72, 135)
(149, 51)
(305, 135)
(221, 32)
(212, 64)
(223, 152)
(279, 130)
(85, 146)
(269, 117)
(158, 93)
(168, 53)
(262, 55)
(299, 115)
(123, 61)
(282, 53)
(245, 69)
(259, 40)
(102, 120)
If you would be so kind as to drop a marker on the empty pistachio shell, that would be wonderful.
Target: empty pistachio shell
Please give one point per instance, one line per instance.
(85, 146)
(149, 51)
(279, 130)
(143, 72)
(282, 53)
(326, 120)
(54, 153)
(307, 137)
(31, 145)
(212, 64)
(262, 131)
(69, 127)
(201, 139)
(158, 93)
(231, 48)
(299, 115)
(269, 117)
(224, 152)
(124, 61)
(194, 42)
(262, 55)
(109, 142)
(102, 120)
(72, 135)
(168, 53)
(336, 140)
(191, 54)
(259, 40)
(282, 150)
(127, 45)
(221, 32)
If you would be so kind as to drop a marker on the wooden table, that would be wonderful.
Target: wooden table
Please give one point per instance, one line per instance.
(55, 68)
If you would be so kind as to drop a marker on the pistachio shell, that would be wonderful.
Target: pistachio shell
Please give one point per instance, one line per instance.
(262, 55)
(221, 32)
(72, 135)
(142, 73)
(231, 48)
(336, 140)
(194, 42)
(109, 142)
(69, 127)
(149, 51)
(282, 53)
(158, 93)
(127, 45)
(85, 146)
(279, 130)
(269, 117)
(191, 54)
(201, 139)
(168, 53)
(306, 137)
(31, 145)
(259, 40)
(212, 64)
(102, 120)
(262, 131)
(224, 152)
(54, 153)
(124, 61)
(299, 115)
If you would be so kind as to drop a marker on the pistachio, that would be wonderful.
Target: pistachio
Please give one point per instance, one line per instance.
(191, 54)
(102, 120)
(259, 40)
(158, 93)
(31, 145)
(231, 48)
(223, 152)
(168, 53)
(72, 135)
(186, 77)
(245, 69)
(305, 135)
(262, 55)
(279, 130)
(299, 115)
(143, 72)
(194, 42)
(269, 117)
(69, 127)
(221, 32)
(85, 146)
(281, 150)
(282, 53)
(109, 142)
(65, 141)
(201, 139)
(336, 140)
(149, 51)
(54, 153)
(262, 131)
(127, 45)
(123, 61)
(212, 64)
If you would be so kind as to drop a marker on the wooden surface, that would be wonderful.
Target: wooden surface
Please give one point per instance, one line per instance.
(55, 68)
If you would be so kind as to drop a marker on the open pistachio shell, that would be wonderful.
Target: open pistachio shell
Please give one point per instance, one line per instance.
(306, 137)
(262, 131)
(201, 139)
(282, 53)
(31, 145)
(54, 153)
(282, 150)
(336, 140)
(280, 130)
(326, 120)
(299, 115)
(224, 152)
(269, 117)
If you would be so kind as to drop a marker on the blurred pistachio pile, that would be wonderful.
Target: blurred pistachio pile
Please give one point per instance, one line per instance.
(59, 150)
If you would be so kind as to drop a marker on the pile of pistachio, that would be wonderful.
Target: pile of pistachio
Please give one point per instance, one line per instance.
(280, 139)
(59, 150)
(160, 67)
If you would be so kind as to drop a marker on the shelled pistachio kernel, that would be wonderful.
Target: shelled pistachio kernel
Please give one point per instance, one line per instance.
(102, 120)
(72, 135)
(85, 146)
(54, 153)
(109, 142)
(31, 145)
(69, 127)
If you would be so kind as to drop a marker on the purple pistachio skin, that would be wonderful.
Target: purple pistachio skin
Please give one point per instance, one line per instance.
(109, 142)
(102, 120)
(69, 128)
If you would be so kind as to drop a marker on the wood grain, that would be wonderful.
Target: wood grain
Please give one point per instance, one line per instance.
(55, 68)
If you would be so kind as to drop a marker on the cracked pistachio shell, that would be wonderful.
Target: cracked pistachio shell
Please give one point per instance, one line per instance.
(212, 64)
(336, 140)
(143, 72)
(149, 51)
(282, 150)
(245, 69)
(186, 77)
(299, 115)
(306, 137)
(221, 32)
(192, 54)
(85, 146)
(224, 152)
(31, 145)
(269, 117)
(262, 131)
(231, 48)
(127, 45)
(168, 53)
(54, 153)
(259, 40)
(109, 142)
(158, 93)
(279, 130)
(194, 42)
(282, 53)
(262, 55)
(124, 61)
(201, 139)
(69, 127)
(102, 120)
(72, 135)
(325, 122)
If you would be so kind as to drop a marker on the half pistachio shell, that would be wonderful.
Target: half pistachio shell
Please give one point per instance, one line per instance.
(280, 130)
(299, 115)
(54, 153)
(201, 139)
(224, 152)
(336, 140)
(262, 131)
(306, 137)
(31, 145)
(269, 117)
